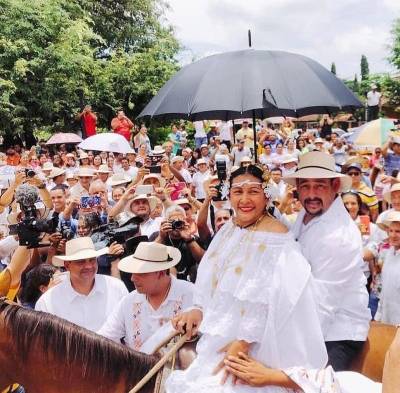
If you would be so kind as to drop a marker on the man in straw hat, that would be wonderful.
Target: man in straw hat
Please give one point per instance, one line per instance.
(139, 205)
(158, 297)
(389, 305)
(331, 242)
(83, 297)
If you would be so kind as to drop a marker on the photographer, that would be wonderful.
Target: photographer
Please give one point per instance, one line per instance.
(175, 232)
(140, 206)
(218, 216)
(21, 178)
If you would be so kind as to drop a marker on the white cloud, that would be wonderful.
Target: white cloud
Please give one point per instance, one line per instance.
(326, 30)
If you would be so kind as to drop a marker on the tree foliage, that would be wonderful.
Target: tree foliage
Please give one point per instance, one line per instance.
(364, 66)
(52, 60)
(333, 68)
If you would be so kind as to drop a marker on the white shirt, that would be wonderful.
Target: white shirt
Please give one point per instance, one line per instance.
(131, 172)
(150, 226)
(89, 311)
(198, 183)
(239, 154)
(78, 191)
(389, 305)
(225, 131)
(373, 98)
(135, 319)
(332, 245)
(186, 175)
(199, 127)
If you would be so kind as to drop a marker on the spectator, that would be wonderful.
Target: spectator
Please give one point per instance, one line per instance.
(246, 134)
(374, 103)
(392, 156)
(122, 125)
(88, 120)
(200, 136)
(240, 151)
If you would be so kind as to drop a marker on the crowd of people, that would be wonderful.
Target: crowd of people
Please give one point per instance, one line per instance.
(280, 263)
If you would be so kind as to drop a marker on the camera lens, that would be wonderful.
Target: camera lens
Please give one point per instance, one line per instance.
(30, 173)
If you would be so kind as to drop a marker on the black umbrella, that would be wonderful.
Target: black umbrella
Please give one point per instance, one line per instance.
(250, 82)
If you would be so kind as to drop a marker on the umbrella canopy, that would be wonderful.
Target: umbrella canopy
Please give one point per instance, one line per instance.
(373, 133)
(234, 84)
(64, 137)
(107, 141)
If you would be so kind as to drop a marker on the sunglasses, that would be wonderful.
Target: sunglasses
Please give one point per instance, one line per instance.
(354, 173)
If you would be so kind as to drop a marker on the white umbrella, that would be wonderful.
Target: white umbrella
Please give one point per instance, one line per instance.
(107, 141)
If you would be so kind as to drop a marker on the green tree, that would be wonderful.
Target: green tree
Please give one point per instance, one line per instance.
(364, 68)
(394, 56)
(333, 68)
(355, 86)
(50, 64)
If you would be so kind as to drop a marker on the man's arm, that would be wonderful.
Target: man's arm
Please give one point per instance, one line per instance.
(196, 250)
(385, 148)
(114, 123)
(120, 205)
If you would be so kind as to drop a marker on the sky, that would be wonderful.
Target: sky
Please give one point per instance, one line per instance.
(328, 31)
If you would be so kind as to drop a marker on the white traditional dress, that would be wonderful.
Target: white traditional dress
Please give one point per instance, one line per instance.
(253, 286)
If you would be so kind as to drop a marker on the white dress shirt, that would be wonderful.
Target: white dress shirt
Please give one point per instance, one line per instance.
(332, 245)
(389, 305)
(150, 226)
(198, 183)
(89, 311)
(135, 319)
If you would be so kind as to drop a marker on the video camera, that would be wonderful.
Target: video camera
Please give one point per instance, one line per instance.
(122, 233)
(155, 163)
(220, 163)
(31, 226)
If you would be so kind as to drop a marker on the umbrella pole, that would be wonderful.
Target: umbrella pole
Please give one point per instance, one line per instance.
(255, 136)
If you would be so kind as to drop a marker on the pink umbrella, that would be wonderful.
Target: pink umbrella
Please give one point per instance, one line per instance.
(64, 137)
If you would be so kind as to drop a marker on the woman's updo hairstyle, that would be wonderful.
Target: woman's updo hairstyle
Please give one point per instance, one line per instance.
(251, 169)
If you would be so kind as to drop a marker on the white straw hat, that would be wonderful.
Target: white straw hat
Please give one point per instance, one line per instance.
(150, 257)
(103, 168)
(151, 199)
(78, 249)
(393, 216)
(318, 165)
(161, 180)
(158, 150)
(47, 166)
(56, 172)
(387, 196)
(119, 178)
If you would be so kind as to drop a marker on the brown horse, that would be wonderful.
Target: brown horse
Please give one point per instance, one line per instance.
(47, 354)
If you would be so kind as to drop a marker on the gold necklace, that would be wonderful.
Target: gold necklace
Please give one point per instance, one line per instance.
(253, 225)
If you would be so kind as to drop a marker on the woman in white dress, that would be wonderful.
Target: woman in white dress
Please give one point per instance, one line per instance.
(253, 294)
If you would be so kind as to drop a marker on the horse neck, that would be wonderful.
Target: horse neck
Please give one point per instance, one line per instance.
(7, 356)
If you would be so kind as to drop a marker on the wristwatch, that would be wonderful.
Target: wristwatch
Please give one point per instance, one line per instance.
(192, 239)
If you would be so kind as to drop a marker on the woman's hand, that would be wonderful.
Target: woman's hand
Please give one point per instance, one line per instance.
(231, 349)
(247, 370)
(188, 322)
(253, 373)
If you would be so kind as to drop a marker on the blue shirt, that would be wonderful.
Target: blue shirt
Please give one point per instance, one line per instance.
(392, 162)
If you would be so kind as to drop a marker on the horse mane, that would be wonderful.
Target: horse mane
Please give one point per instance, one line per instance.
(69, 344)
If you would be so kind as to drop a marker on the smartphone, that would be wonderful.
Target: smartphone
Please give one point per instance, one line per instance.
(144, 189)
(177, 189)
(364, 225)
(155, 169)
(90, 201)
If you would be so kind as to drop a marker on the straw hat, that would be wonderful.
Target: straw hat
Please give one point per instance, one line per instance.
(56, 172)
(204, 145)
(83, 155)
(200, 161)
(85, 172)
(158, 150)
(78, 249)
(150, 198)
(318, 140)
(71, 175)
(177, 158)
(393, 216)
(161, 180)
(119, 178)
(318, 165)
(47, 166)
(387, 196)
(150, 257)
(288, 159)
(183, 201)
(103, 168)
